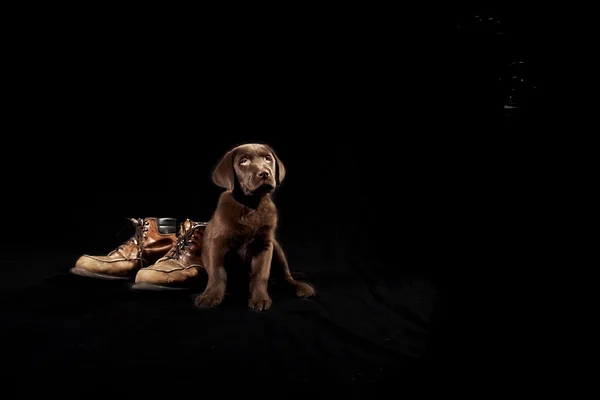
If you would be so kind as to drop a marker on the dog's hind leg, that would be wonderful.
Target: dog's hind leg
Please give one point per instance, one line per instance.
(302, 289)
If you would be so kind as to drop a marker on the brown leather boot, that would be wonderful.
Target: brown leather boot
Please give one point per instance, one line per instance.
(181, 267)
(153, 238)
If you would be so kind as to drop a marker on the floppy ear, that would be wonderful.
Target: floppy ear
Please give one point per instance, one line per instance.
(280, 168)
(223, 175)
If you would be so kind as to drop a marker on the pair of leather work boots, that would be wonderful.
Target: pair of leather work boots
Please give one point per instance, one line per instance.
(158, 256)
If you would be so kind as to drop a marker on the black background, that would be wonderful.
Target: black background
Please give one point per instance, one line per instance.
(390, 128)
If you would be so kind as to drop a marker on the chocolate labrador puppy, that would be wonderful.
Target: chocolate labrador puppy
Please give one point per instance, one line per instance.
(244, 222)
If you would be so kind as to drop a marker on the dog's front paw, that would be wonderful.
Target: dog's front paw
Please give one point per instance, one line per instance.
(304, 290)
(210, 298)
(259, 300)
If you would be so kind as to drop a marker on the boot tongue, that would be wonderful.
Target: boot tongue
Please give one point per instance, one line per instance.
(186, 226)
(185, 229)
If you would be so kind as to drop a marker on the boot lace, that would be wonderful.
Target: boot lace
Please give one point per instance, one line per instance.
(184, 240)
(141, 229)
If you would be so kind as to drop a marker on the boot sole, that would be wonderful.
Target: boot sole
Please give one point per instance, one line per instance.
(157, 287)
(88, 274)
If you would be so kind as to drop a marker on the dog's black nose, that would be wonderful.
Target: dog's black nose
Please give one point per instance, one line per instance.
(263, 174)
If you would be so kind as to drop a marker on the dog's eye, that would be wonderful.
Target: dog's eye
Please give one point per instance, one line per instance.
(244, 161)
(268, 158)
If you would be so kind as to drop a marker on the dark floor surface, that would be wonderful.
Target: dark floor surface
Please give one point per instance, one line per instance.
(357, 333)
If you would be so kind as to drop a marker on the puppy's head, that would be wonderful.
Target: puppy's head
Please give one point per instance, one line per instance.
(255, 166)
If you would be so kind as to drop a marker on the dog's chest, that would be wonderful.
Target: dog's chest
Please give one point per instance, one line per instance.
(253, 223)
(251, 235)
(249, 222)
(249, 245)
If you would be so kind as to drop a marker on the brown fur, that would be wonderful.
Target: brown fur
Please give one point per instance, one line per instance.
(245, 221)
